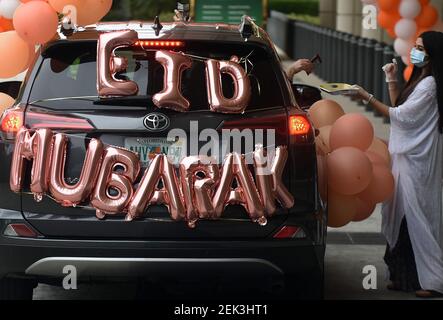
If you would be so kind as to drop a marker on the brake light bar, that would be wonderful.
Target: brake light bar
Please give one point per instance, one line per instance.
(160, 43)
(299, 125)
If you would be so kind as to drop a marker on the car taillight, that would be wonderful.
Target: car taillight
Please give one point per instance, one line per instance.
(299, 125)
(290, 232)
(159, 43)
(14, 119)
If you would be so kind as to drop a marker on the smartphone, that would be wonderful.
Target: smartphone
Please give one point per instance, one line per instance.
(316, 59)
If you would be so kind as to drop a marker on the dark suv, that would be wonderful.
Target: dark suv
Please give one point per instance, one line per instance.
(284, 258)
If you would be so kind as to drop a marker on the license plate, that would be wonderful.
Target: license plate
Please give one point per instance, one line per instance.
(148, 148)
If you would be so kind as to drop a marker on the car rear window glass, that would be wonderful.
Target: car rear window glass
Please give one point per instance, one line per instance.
(68, 69)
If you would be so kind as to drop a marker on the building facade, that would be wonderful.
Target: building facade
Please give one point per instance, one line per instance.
(346, 16)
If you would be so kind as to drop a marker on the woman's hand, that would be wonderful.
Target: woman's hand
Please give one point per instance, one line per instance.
(358, 93)
(391, 70)
(299, 66)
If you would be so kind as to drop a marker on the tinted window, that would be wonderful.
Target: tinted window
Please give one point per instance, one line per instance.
(69, 70)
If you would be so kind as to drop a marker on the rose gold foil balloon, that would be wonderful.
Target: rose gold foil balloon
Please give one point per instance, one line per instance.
(71, 195)
(32, 146)
(264, 182)
(197, 192)
(108, 64)
(283, 195)
(245, 194)
(170, 97)
(242, 86)
(119, 181)
(148, 193)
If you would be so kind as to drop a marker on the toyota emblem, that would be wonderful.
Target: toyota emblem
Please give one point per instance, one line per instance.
(156, 122)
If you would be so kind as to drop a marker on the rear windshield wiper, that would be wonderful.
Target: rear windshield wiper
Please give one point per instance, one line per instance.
(144, 101)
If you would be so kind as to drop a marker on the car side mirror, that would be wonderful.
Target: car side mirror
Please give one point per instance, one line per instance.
(306, 95)
(11, 88)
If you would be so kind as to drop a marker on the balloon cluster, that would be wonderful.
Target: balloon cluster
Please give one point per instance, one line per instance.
(27, 23)
(405, 21)
(355, 163)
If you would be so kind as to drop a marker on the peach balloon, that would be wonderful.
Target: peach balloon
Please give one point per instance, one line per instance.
(322, 139)
(92, 11)
(5, 102)
(381, 186)
(349, 171)
(352, 130)
(377, 159)
(325, 113)
(58, 5)
(364, 210)
(36, 22)
(341, 209)
(14, 54)
(380, 148)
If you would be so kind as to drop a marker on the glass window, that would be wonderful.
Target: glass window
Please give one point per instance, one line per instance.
(69, 70)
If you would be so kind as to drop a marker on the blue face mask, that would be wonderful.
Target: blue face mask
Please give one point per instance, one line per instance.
(418, 58)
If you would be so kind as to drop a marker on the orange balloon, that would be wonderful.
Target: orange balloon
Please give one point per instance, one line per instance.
(352, 130)
(380, 148)
(364, 210)
(391, 32)
(325, 113)
(36, 22)
(349, 171)
(381, 186)
(5, 102)
(377, 159)
(388, 20)
(341, 209)
(92, 11)
(424, 2)
(427, 17)
(58, 5)
(5, 25)
(408, 72)
(389, 5)
(14, 54)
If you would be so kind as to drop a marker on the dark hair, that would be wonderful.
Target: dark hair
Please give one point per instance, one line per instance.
(433, 44)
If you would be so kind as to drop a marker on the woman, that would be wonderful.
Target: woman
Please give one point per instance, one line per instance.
(412, 219)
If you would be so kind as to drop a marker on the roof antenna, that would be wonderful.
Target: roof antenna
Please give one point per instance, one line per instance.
(157, 26)
(247, 27)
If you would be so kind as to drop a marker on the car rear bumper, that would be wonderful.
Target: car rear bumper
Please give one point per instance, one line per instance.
(42, 258)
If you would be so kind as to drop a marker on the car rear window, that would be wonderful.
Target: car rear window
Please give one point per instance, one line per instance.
(68, 69)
